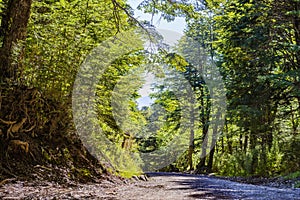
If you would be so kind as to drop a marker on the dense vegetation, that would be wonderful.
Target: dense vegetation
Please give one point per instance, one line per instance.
(238, 116)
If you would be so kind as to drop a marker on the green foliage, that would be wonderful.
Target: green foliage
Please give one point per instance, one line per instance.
(46, 155)
(83, 172)
(1, 8)
(291, 152)
(61, 34)
(248, 38)
(293, 175)
(229, 165)
(259, 67)
(118, 116)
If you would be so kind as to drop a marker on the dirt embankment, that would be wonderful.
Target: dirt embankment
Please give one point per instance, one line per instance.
(38, 139)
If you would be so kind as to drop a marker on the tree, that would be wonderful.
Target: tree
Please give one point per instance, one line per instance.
(13, 31)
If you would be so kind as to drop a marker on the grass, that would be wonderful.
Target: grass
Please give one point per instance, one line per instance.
(293, 175)
(129, 174)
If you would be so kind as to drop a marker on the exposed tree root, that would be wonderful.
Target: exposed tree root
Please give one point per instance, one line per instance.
(38, 131)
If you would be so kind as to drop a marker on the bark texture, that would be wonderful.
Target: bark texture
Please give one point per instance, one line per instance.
(13, 31)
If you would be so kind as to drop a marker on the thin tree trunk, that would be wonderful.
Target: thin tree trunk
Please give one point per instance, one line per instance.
(254, 161)
(222, 145)
(263, 156)
(241, 141)
(246, 143)
(192, 139)
(213, 143)
(201, 164)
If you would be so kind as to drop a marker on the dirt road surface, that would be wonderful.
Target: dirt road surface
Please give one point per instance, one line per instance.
(160, 186)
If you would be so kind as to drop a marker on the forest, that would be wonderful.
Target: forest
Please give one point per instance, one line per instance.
(225, 98)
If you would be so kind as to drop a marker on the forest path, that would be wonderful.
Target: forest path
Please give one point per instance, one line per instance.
(160, 186)
(170, 186)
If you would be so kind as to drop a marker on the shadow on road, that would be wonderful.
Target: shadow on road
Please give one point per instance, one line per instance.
(208, 187)
(201, 185)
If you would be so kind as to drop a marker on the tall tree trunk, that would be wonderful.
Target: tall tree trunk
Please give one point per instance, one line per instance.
(201, 165)
(254, 161)
(192, 139)
(213, 144)
(13, 30)
(263, 157)
(222, 145)
(246, 143)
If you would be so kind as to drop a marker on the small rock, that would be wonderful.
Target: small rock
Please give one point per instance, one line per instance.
(135, 178)
(143, 178)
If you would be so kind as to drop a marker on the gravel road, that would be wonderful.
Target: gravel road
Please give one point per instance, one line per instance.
(160, 186)
(170, 186)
